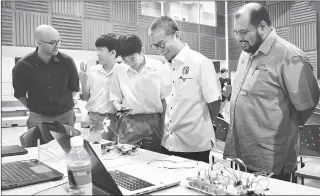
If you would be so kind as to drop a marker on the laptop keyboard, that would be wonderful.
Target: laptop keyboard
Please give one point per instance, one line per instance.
(15, 172)
(129, 182)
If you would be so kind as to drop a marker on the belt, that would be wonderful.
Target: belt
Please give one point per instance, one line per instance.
(142, 116)
(50, 114)
(112, 116)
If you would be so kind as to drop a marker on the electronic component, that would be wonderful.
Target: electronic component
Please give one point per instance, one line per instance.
(219, 180)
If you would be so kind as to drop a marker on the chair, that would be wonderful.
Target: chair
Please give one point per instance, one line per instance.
(42, 132)
(314, 118)
(221, 128)
(309, 147)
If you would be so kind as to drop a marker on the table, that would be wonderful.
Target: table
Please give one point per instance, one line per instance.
(140, 162)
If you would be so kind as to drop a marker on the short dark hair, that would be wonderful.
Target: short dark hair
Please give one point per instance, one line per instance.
(107, 40)
(258, 14)
(223, 70)
(128, 45)
(164, 22)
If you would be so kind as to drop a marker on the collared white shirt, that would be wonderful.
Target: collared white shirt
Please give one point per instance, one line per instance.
(99, 83)
(188, 126)
(142, 91)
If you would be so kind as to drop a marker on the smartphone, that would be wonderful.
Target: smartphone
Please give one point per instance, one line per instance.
(125, 111)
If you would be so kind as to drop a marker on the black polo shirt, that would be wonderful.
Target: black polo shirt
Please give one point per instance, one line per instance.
(48, 87)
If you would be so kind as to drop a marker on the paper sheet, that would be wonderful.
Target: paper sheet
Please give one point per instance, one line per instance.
(51, 151)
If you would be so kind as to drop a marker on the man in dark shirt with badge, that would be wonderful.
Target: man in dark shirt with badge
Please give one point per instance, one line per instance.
(46, 80)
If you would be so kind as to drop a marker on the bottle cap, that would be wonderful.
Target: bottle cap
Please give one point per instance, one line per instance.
(76, 141)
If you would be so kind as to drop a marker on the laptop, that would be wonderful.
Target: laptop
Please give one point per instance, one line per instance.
(114, 182)
(12, 150)
(27, 172)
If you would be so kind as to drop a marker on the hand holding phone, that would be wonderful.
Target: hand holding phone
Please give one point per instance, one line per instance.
(124, 112)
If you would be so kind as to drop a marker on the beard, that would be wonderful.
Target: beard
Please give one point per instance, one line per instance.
(245, 45)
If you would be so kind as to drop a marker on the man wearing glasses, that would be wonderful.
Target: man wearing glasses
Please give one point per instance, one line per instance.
(196, 94)
(46, 80)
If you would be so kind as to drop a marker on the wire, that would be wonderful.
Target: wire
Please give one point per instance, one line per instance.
(159, 160)
(171, 161)
(114, 151)
(51, 187)
(249, 185)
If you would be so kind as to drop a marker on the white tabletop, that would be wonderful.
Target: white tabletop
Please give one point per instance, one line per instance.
(139, 163)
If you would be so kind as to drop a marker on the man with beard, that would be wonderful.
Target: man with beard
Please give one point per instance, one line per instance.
(195, 98)
(274, 91)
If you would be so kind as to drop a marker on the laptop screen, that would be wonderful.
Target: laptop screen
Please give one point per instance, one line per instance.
(100, 176)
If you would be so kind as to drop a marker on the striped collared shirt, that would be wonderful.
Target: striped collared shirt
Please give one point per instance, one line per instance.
(269, 91)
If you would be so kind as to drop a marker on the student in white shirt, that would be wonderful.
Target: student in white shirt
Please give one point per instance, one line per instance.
(196, 94)
(96, 85)
(139, 84)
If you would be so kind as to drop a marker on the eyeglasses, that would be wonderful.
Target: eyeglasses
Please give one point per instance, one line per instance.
(54, 42)
(161, 45)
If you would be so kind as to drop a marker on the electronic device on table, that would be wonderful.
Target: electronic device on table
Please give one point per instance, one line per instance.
(115, 182)
(27, 172)
(219, 180)
(12, 150)
(124, 112)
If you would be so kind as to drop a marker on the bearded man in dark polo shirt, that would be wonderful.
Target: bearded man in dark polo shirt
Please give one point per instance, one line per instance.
(46, 80)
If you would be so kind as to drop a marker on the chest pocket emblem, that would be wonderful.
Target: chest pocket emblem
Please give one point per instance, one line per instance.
(185, 70)
(262, 67)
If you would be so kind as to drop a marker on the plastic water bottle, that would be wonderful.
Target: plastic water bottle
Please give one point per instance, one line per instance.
(79, 168)
(85, 126)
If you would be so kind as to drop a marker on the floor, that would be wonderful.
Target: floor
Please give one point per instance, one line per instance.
(11, 136)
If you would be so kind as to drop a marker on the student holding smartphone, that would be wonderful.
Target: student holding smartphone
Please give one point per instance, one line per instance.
(140, 84)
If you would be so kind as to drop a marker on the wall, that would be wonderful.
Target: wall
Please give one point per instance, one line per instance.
(194, 14)
(318, 41)
(175, 10)
(81, 22)
(166, 7)
(183, 11)
(190, 11)
(293, 21)
(207, 16)
(152, 8)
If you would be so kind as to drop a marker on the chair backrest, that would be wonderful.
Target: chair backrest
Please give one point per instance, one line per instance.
(310, 140)
(42, 132)
(314, 118)
(221, 129)
(29, 138)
